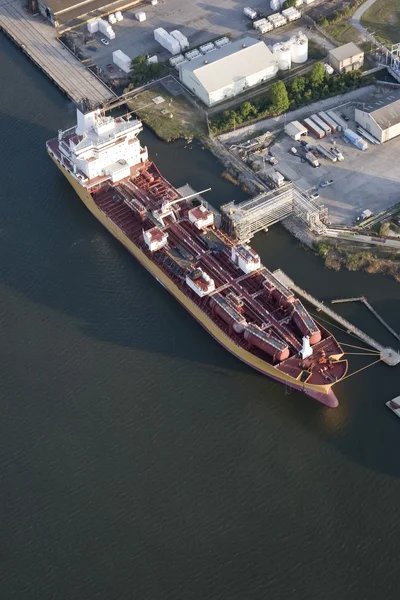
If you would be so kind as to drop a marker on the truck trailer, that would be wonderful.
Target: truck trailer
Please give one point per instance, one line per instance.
(314, 128)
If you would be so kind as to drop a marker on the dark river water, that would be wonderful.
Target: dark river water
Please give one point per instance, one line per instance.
(138, 459)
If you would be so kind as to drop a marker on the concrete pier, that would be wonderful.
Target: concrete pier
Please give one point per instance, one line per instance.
(39, 41)
(388, 355)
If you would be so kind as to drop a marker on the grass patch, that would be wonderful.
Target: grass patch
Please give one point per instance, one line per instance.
(344, 32)
(384, 18)
(185, 121)
(315, 52)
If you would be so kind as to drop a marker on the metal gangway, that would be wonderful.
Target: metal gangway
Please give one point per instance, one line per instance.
(243, 220)
(371, 309)
(387, 355)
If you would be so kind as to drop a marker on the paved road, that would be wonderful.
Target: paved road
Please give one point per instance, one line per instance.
(355, 19)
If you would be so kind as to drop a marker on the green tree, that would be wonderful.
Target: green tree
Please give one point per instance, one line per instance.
(297, 86)
(317, 75)
(141, 71)
(246, 111)
(289, 4)
(279, 97)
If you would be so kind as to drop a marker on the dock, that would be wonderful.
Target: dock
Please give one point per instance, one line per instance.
(39, 41)
(371, 309)
(388, 355)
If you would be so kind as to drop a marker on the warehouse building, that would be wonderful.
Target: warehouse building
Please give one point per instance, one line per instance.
(346, 58)
(381, 117)
(58, 12)
(228, 71)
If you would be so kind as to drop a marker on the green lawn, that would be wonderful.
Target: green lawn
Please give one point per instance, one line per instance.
(344, 32)
(173, 119)
(384, 19)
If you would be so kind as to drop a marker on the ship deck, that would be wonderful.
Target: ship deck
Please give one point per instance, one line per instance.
(188, 246)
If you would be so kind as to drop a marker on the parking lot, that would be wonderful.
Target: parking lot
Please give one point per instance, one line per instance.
(199, 21)
(364, 180)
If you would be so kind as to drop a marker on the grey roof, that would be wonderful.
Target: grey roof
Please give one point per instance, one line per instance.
(295, 127)
(385, 110)
(222, 67)
(345, 51)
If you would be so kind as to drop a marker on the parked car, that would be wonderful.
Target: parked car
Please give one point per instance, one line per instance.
(272, 160)
(293, 150)
(303, 142)
(344, 117)
(314, 196)
(110, 67)
(104, 41)
(326, 183)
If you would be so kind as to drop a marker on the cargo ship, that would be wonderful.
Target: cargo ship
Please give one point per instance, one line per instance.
(222, 283)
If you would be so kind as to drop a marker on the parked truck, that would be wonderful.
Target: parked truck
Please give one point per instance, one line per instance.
(277, 179)
(312, 160)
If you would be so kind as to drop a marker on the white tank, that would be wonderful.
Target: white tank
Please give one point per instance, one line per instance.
(299, 45)
(275, 4)
(283, 55)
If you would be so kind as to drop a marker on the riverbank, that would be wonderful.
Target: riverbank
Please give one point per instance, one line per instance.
(371, 261)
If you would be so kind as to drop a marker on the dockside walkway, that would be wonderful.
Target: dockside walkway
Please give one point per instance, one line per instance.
(39, 41)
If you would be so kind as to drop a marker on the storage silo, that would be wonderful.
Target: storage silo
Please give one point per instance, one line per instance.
(299, 46)
(283, 54)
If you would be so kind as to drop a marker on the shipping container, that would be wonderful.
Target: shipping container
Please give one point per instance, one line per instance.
(258, 23)
(181, 39)
(324, 126)
(313, 128)
(337, 119)
(332, 124)
(250, 12)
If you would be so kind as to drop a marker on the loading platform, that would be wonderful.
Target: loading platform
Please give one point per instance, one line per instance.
(245, 219)
(387, 355)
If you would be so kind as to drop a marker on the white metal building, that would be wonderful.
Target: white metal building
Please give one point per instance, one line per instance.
(381, 117)
(295, 130)
(228, 71)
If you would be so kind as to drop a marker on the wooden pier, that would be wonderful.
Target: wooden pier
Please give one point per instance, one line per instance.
(388, 355)
(38, 40)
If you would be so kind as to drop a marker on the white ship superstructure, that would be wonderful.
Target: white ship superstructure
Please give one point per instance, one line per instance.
(100, 148)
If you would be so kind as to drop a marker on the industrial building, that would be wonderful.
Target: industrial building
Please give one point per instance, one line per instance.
(226, 72)
(381, 117)
(346, 58)
(58, 12)
(295, 130)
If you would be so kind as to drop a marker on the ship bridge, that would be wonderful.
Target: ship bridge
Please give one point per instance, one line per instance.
(243, 220)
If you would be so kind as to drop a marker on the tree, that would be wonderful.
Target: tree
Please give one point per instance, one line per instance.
(289, 3)
(317, 75)
(297, 86)
(141, 71)
(279, 97)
